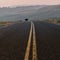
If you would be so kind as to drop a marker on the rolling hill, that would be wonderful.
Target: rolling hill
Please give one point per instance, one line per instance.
(37, 12)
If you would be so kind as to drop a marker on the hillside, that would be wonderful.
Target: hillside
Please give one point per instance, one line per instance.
(31, 12)
(52, 11)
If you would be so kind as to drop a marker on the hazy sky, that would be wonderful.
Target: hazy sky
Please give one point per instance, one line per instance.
(28, 2)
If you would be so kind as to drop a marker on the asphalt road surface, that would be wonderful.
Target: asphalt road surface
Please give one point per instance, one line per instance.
(48, 41)
(13, 41)
(30, 41)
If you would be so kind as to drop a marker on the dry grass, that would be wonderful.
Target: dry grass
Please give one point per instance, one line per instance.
(6, 23)
(55, 21)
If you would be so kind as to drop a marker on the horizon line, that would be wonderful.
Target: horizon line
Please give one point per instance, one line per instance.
(27, 5)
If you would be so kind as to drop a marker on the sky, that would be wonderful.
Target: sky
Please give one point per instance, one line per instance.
(5, 3)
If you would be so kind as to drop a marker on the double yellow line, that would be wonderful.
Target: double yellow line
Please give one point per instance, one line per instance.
(34, 52)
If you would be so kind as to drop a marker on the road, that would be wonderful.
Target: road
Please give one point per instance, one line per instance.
(30, 41)
(48, 41)
(13, 41)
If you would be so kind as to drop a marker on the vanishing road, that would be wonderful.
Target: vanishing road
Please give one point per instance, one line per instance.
(30, 41)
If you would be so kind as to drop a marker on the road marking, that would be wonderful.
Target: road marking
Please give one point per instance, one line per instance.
(28, 45)
(34, 45)
(34, 51)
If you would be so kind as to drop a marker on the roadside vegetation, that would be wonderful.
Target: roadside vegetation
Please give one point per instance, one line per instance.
(3, 23)
(53, 20)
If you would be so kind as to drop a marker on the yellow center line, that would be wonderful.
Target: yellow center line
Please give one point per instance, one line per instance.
(28, 45)
(34, 45)
(34, 52)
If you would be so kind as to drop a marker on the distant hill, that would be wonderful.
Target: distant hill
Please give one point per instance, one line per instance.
(32, 12)
(52, 11)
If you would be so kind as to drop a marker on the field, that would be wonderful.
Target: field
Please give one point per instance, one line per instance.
(4, 23)
(55, 21)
